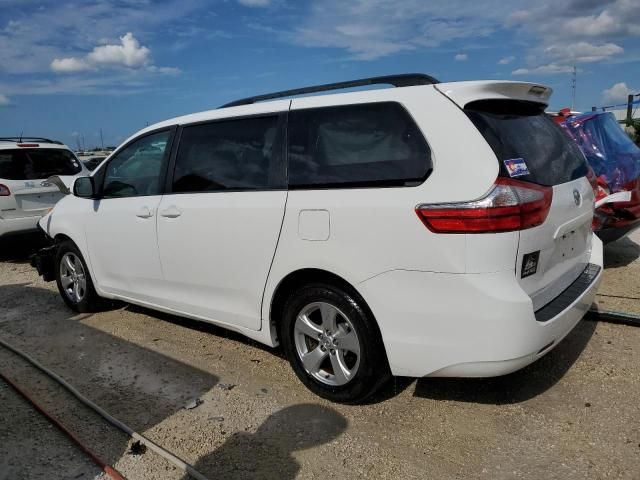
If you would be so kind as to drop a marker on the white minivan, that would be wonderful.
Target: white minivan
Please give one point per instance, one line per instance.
(430, 229)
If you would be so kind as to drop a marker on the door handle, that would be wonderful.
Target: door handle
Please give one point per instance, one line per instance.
(144, 212)
(171, 212)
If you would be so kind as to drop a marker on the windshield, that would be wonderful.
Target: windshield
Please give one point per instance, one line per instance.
(37, 163)
(527, 142)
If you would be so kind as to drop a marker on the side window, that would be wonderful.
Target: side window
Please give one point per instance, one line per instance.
(136, 170)
(376, 144)
(229, 155)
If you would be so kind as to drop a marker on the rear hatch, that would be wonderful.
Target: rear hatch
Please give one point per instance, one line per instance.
(24, 172)
(531, 148)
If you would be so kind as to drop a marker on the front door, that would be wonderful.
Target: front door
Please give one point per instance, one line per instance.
(121, 227)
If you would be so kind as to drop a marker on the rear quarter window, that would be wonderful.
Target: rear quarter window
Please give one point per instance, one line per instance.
(521, 130)
(364, 145)
(37, 163)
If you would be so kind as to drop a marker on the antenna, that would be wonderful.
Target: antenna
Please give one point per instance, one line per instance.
(573, 88)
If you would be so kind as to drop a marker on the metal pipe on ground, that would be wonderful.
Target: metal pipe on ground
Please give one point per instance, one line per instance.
(611, 316)
(104, 466)
(177, 461)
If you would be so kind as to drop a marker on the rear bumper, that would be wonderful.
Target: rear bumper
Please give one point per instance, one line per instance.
(467, 325)
(18, 225)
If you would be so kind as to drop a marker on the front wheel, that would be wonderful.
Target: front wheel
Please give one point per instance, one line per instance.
(333, 343)
(73, 280)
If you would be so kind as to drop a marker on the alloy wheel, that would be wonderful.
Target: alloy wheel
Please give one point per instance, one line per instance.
(327, 344)
(73, 277)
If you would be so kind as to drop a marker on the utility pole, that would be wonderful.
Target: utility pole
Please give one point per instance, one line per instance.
(101, 140)
(573, 89)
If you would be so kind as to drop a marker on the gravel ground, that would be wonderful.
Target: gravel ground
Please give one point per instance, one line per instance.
(572, 415)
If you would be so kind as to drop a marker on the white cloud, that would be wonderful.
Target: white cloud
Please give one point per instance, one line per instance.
(461, 57)
(575, 32)
(69, 65)
(164, 70)
(255, 3)
(30, 38)
(371, 29)
(617, 93)
(582, 52)
(549, 69)
(129, 53)
(4, 100)
(506, 60)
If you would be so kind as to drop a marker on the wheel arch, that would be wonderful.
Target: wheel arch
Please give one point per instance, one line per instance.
(304, 276)
(61, 237)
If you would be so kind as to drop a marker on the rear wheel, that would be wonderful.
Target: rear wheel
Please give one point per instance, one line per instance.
(73, 280)
(333, 344)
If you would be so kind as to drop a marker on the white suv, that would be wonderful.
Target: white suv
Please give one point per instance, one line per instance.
(25, 193)
(432, 229)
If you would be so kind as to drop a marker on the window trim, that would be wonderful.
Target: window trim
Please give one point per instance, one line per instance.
(366, 184)
(279, 149)
(100, 175)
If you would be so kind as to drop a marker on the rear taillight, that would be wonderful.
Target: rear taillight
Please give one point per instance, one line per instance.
(510, 205)
(4, 191)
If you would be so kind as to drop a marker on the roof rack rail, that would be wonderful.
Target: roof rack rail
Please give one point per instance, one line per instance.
(403, 80)
(29, 139)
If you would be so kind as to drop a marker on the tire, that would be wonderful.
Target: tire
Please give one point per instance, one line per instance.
(346, 364)
(73, 280)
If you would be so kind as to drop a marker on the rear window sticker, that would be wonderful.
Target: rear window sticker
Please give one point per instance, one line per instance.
(516, 167)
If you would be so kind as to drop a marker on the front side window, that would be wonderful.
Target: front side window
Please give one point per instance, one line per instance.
(376, 144)
(228, 155)
(37, 163)
(136, 170)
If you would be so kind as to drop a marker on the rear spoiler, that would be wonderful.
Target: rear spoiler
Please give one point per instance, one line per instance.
(463, 93)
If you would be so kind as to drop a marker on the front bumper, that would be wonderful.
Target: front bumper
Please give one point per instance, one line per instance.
(467, 325)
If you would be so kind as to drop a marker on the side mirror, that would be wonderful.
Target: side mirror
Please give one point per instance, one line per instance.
(84, 187)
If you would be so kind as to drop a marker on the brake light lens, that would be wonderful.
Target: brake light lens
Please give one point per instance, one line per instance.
(4, 191)
(510, 205)
(28, 145)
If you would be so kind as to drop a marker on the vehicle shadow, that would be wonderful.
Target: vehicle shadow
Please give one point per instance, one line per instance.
(205, 327)
(516, 387)
(621, 253)
(139, 386)
(18, 248)
(267, 453)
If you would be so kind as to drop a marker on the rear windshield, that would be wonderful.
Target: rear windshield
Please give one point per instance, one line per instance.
(36, 163)
(528, 144)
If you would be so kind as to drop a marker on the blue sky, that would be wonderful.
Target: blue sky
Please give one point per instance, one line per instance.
(69, 68)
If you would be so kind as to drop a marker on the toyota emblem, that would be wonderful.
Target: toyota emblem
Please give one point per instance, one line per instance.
(577, 197)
